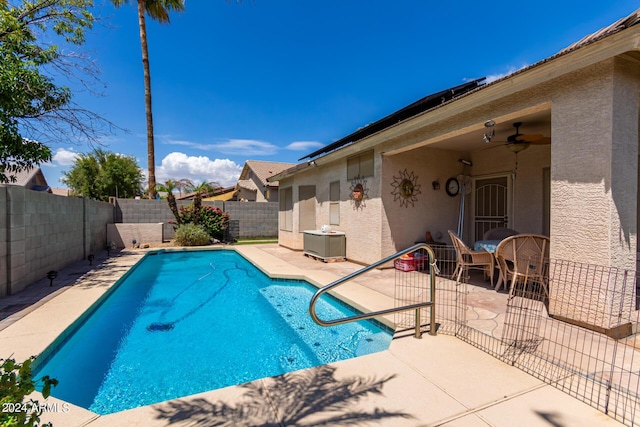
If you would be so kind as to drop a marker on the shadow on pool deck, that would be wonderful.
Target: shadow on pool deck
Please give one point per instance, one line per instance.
(80, 273)
(435, 381)
(309, 397)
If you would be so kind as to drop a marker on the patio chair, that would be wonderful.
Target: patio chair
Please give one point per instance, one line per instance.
(523, 258)
(499, 233)
(467, 259)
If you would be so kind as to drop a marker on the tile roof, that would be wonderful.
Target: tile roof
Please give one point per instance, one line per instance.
(24, 176)
(619, 25)
(264, 170)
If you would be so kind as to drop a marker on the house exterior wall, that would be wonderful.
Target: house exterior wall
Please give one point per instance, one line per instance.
(362, 221)
(594, 182)
(246, 195)
(527, 184)
(45, 232)
(431, 210)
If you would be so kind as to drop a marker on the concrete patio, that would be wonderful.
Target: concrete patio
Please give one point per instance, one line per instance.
(433, 381)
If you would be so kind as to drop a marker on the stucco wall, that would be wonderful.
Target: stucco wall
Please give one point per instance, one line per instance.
(46, 232)
(594, 186)
(406, 221)
(361, 221)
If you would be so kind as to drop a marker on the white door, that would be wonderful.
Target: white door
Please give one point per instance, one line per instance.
(492, 204)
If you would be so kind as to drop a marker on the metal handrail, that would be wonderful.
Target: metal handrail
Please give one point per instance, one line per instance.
(416, 307)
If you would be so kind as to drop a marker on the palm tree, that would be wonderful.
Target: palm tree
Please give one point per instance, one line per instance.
(203, 189)
(168, 186)
(158, 10)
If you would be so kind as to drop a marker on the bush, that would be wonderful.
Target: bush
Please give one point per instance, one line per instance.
(214, 220)
(192, 235)
(16, 383)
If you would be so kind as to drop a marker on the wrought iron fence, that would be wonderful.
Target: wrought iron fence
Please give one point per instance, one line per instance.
(575, 326)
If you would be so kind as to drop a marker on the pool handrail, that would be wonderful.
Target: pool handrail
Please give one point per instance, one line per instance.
(416, 307)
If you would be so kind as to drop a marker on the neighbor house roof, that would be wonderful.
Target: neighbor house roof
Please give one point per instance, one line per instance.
(262, 171)
(224, 194)
(247, 184)
(32, 179)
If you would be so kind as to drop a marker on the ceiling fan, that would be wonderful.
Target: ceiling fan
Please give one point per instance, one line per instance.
(519, 141)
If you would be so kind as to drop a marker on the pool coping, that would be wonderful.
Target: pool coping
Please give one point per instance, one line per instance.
(53, 321)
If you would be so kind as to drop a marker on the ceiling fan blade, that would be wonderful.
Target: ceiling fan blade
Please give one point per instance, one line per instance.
(542, 141)
(529, 137)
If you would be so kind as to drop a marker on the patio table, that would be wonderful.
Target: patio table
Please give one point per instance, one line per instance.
(490, 246)
(486, 245)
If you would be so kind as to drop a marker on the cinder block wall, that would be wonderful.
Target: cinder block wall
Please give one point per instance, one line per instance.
(254, 219)
(4, 277)
(45, 232)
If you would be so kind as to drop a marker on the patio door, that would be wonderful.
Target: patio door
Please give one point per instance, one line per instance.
(492, 204)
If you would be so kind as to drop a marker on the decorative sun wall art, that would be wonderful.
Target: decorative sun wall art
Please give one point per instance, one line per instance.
(405, 188)
(359, 192)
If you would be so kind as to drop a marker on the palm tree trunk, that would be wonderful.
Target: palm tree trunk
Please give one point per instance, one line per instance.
(151, 164)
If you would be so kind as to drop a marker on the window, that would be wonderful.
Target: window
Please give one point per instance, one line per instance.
(286, 209)
(307, 204)
(334, 203)
(360, 165)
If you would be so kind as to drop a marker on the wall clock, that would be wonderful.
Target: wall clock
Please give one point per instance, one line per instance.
(452, 187)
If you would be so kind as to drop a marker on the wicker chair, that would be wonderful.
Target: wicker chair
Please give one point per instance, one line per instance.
(523, 257)
(467, 259)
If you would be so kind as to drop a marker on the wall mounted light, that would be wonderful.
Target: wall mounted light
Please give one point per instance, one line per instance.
(52, 275)
(436, 185)
(313, 163)
(465, 162)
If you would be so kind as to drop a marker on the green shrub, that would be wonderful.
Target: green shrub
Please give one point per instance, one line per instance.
(192, 235)
(16, 383)
(214, 220)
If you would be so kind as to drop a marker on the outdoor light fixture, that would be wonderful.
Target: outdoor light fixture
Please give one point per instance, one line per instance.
(518, 147)
(313, 163)
(436, 185)
(52, 275)
(487, 137)
(90, 258)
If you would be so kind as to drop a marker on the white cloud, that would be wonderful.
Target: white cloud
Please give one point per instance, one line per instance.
(511, 70)
(304, 145)
(178, 165)
(244, 147)
(247, 147)
(64, 157)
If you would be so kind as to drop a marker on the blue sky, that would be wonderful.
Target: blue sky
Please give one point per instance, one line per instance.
(276, 79)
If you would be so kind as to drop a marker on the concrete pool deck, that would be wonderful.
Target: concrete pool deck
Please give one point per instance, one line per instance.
(433, 381)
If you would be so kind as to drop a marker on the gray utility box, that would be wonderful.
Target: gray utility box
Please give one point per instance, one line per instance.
(326, 246)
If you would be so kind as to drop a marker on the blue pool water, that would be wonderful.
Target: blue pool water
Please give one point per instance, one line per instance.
(186, 322)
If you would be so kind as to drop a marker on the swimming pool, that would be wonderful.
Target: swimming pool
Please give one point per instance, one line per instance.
(191, 321)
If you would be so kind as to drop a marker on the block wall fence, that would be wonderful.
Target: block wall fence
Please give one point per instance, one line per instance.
(40, 232)
(247, 219)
